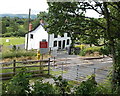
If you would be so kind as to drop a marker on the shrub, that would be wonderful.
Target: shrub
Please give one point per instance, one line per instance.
(62, 85)
(88, 87)
(105, 50)
(40, 88)
(90, 50)
(14, 48)
(19, 84)
(82, 46)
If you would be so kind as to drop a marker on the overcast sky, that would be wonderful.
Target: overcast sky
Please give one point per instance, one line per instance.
(22, 7)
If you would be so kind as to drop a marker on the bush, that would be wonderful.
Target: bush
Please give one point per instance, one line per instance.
(90, 50)
(82, 46)
(19, 84)
(40, 88)
(62, 85)
(106, 50)
(88, 87)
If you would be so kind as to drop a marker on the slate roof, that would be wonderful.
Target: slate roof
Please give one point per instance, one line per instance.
(37, 27)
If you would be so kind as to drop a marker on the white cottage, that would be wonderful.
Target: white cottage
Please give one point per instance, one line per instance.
(55, 42)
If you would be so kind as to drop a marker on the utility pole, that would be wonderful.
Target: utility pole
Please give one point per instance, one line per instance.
(28, 28)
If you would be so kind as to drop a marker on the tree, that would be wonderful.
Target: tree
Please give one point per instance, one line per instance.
(69, 17)
(3, 28)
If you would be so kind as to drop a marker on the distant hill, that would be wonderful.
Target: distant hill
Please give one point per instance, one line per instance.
(18, 15)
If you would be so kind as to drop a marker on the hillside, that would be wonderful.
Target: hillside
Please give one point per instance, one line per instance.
(18, 15)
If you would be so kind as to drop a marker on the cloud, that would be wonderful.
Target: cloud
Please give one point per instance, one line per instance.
(22, 6)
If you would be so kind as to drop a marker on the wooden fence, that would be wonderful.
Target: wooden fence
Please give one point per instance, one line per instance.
(28, 64)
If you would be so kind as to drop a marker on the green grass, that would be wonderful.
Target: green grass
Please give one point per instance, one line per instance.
(13, 41)
(10, 53)
(18, 53)
(57, 72)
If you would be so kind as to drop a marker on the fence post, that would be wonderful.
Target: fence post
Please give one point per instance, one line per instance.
(62, 69)
(14, 66)
(49, 66)
(40, 67)
(94, 73)
(42, 56)
(54, 61)
(77, 72)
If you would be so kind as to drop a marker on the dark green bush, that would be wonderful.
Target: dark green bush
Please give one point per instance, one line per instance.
(105, 50)
(19, 84)
(62, 85)
(14, 48)
(40, 88)
(91, 88)
(88, 87)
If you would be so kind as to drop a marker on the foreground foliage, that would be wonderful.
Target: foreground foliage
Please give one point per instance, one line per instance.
(70, 17)
(19, 85)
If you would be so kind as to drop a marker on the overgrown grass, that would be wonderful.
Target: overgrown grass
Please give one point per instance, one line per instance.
(20, 53)
(10, 53)
(13, 41)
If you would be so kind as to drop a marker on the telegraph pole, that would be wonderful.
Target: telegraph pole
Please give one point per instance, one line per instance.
(28, 28)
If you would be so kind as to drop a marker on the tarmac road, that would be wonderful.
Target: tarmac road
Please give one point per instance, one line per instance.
(78, 69)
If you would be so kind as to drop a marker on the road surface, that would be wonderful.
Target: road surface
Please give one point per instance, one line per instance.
(78, 68)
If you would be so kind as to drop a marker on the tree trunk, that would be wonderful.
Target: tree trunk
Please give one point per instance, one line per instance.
(112, 44)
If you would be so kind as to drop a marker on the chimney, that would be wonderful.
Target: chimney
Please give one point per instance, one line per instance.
(41, 21)
(30, 27)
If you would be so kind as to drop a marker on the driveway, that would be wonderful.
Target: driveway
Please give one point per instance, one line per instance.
(73, 67)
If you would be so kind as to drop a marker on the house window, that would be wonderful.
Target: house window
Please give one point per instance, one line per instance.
(31, 36)
(68, 41)
(55, 36)
(62, 35)
(55, 44)
(68, 34)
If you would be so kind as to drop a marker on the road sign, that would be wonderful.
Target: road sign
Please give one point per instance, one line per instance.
(44, 50)
(44, 47)
(43, 44)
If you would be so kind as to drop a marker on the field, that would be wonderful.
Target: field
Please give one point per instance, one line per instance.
(12, 41)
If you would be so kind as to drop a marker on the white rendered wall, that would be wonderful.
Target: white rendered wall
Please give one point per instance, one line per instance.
(38, 35)
(52, 39)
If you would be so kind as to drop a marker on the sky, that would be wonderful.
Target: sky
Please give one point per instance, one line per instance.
(23, 6)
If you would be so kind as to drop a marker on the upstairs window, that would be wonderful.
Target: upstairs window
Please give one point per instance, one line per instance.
(55, 44)
(55, 36)
(68, 41)
(31, 36)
